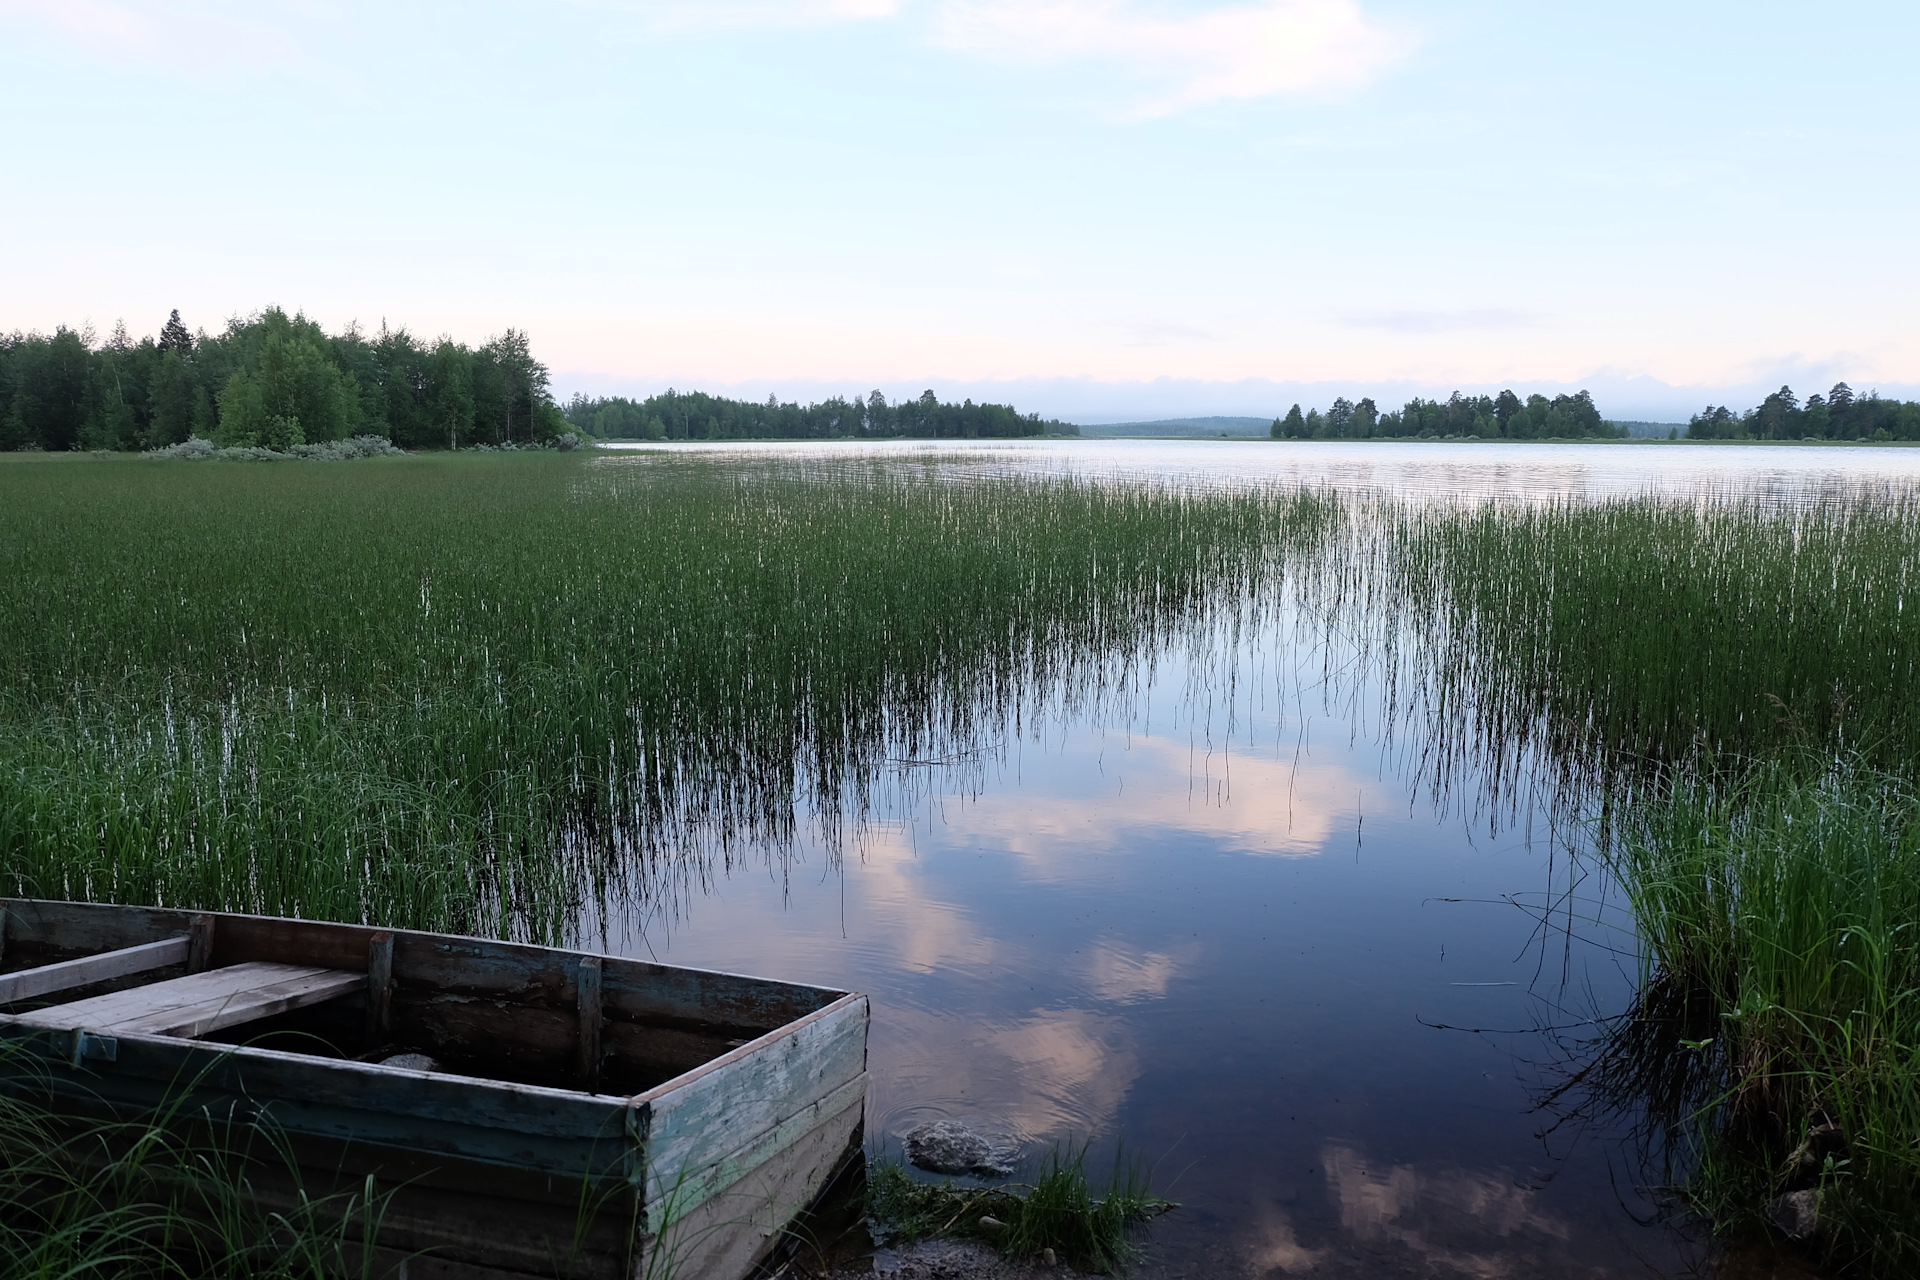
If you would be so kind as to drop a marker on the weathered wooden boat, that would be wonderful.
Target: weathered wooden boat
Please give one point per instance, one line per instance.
(580, 1116)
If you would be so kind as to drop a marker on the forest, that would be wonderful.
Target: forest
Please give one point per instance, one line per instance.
(275, 381)
(1838, 415)
(694, 415)
(1501, 417)
(269, 380)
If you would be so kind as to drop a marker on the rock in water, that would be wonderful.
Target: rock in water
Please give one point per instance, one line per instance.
(411, 1062)
(1797, 1213)
(942, 1146)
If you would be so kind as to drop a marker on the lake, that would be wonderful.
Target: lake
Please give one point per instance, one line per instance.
(1231, 916)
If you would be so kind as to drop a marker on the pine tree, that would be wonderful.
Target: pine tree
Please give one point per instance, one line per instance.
(174, 336)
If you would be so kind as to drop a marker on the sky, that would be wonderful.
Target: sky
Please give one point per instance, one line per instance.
(1097, 209)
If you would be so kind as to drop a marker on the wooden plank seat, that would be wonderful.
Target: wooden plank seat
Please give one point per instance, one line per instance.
(46, 979)
(202, 1002)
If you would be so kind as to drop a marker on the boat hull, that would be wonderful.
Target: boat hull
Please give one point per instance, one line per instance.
(753, 1100)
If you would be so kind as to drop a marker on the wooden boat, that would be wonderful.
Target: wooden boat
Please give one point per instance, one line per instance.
(581, 1115)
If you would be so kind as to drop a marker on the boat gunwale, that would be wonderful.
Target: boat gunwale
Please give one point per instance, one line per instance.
(534, 948)
(605, 1102)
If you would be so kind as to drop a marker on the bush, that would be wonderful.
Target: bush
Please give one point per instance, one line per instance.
(326, 451)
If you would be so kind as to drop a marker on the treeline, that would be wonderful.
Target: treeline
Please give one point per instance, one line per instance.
(269, 380)
(1838, 415)
(694, 415)
(1502, 417)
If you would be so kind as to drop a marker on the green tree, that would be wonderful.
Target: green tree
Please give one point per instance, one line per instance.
(1778, 417)
(1366, 417)
(1339, 417)
(448, 393)
(293, 395)
(51, 389)
(1816, 418)
(174, 336)
(176, 402)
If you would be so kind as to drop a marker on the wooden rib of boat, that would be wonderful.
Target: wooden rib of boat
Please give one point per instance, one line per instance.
(583, 1115)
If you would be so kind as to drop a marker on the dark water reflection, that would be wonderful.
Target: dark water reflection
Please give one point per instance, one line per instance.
(1223, 925)
(1229, 951)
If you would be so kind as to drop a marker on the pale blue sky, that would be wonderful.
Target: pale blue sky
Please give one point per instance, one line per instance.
(1093, 207)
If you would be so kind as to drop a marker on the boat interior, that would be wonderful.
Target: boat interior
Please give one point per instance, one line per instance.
(429, 1002)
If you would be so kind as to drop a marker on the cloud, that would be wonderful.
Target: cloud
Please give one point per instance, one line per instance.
(1160, 333)
(184, 37)
(1487, 318)
(1241, 51)
(706, 15)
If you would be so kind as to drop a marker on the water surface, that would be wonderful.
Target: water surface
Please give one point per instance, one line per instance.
(1225, 921)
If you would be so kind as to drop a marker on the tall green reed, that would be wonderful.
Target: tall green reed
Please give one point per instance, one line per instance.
(1778, 917)
(1593, 645)
(176, 1194)
(479, 693)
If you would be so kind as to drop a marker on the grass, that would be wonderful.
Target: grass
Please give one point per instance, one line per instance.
(1778, 916)
(168, 1198)
(1602, 638)
(1058, 1211)
(487, 693)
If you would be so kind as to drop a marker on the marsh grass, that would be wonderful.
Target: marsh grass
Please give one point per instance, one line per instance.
(1778, 917)
(165, 1197)
(1600, 645)
(1059, 1210)
(483, 693)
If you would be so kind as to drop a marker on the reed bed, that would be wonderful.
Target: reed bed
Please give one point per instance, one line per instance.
(483, 693)
(1781, 984)
(1590, 647)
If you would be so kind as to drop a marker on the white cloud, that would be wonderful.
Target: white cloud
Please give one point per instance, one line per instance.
(707, 15)
(1239, 51)
(186, 37)
(1419, 321)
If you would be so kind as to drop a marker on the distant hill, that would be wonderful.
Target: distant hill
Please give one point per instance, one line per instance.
(1181, 427)
(1653, 430)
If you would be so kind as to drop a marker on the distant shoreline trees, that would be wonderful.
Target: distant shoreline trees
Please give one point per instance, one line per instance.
(1501, 417)
(277, 381)
(695, 415)
(1838, 415)
(270, 380)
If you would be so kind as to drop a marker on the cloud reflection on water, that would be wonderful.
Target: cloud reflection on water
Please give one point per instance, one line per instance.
(1452, 1220)
(1054, 1073)
(1434, 1212)
(1247, 803)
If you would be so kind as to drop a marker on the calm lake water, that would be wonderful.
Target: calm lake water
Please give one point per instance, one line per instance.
(1225, 921)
